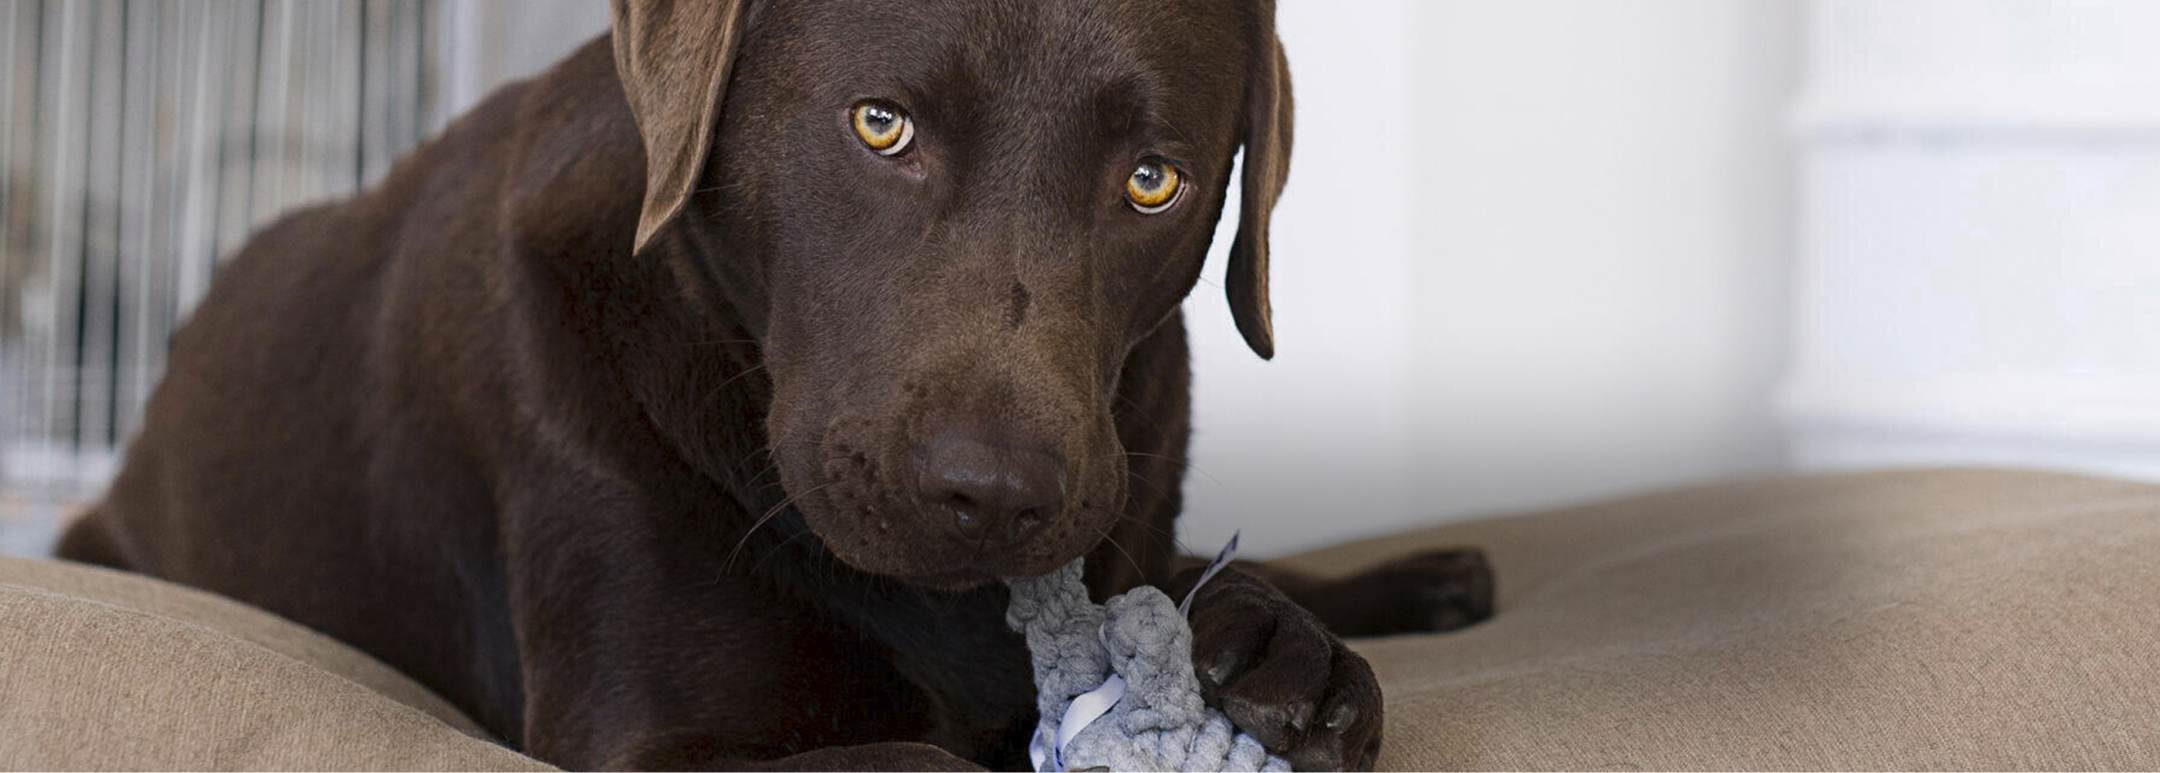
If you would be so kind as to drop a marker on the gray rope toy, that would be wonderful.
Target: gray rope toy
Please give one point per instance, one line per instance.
(1114, 683)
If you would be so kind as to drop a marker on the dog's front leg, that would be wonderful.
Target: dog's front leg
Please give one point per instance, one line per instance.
(697, 751)
(1431, 592)
(638, 651)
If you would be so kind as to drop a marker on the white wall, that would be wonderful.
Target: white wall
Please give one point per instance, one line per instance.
(1531, 252)
(1980, 274)
(1317, 442)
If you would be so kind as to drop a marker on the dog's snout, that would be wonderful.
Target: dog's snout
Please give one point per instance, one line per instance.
(996, 493)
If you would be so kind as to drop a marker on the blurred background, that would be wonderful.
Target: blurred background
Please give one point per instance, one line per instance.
(1533, 251)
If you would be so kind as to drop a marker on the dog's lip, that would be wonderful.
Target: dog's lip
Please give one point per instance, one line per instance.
(952, 574)
(957, 579)
(969, 573)
(953, 570)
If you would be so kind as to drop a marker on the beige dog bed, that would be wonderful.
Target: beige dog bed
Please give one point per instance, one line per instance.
(1945, 619)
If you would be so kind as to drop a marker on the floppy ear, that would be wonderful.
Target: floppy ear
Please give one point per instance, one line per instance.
(673, 59)
(1267, 166)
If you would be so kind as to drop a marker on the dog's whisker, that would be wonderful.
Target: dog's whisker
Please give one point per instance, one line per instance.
(738, 377)
(768, 516)
(1180, 461)
(1167, 457)
(1121, 551)
(721, 342)
(776, 549)
(748, 458)
(772, 462)
(1137, 411)
(1159, 490)
(769, 486)
(1153, 534)
(1159, 531)
(774, 466)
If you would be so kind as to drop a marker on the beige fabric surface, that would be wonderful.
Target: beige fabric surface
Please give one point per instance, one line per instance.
(1950, 619)
(100, 669)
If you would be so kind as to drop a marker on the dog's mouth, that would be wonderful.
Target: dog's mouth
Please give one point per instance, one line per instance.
(934, 561)
(885, 533)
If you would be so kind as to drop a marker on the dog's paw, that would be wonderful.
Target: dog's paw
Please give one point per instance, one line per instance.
(1281, 676)
(1440, 590)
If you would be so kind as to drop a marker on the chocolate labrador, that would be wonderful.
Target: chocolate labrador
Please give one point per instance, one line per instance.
(680, 406)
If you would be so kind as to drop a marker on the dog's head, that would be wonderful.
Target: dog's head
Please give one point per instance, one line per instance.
(961, 217)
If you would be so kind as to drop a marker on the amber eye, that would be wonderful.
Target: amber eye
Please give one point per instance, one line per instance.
(882, 127)
(1153, 186)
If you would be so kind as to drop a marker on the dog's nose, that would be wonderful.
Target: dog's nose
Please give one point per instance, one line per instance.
(997, 494)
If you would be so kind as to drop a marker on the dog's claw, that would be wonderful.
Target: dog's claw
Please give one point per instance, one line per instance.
(1300, 716)
(1219, 669)
(1340, 717)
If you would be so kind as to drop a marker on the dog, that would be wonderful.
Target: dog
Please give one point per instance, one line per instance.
(679, 407)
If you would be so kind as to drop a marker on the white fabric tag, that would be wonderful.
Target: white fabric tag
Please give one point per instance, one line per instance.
(1222, 559)
(1083, 711)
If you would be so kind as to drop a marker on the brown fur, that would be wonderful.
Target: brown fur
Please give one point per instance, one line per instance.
(602, 413)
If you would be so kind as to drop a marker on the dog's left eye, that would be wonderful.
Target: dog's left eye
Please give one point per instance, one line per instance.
(1153, 186)
(882, 127)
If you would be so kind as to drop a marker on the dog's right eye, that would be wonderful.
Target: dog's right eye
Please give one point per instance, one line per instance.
(882, 127)
(1153, 186)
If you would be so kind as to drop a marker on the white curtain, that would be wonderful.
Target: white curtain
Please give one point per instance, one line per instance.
(142, 141)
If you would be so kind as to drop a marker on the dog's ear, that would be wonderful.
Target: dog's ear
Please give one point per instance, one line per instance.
(673, 59)
(1268, 114)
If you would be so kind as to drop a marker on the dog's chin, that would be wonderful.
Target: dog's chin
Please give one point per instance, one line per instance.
(949, 581)
(935, 566)
(958, 574)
